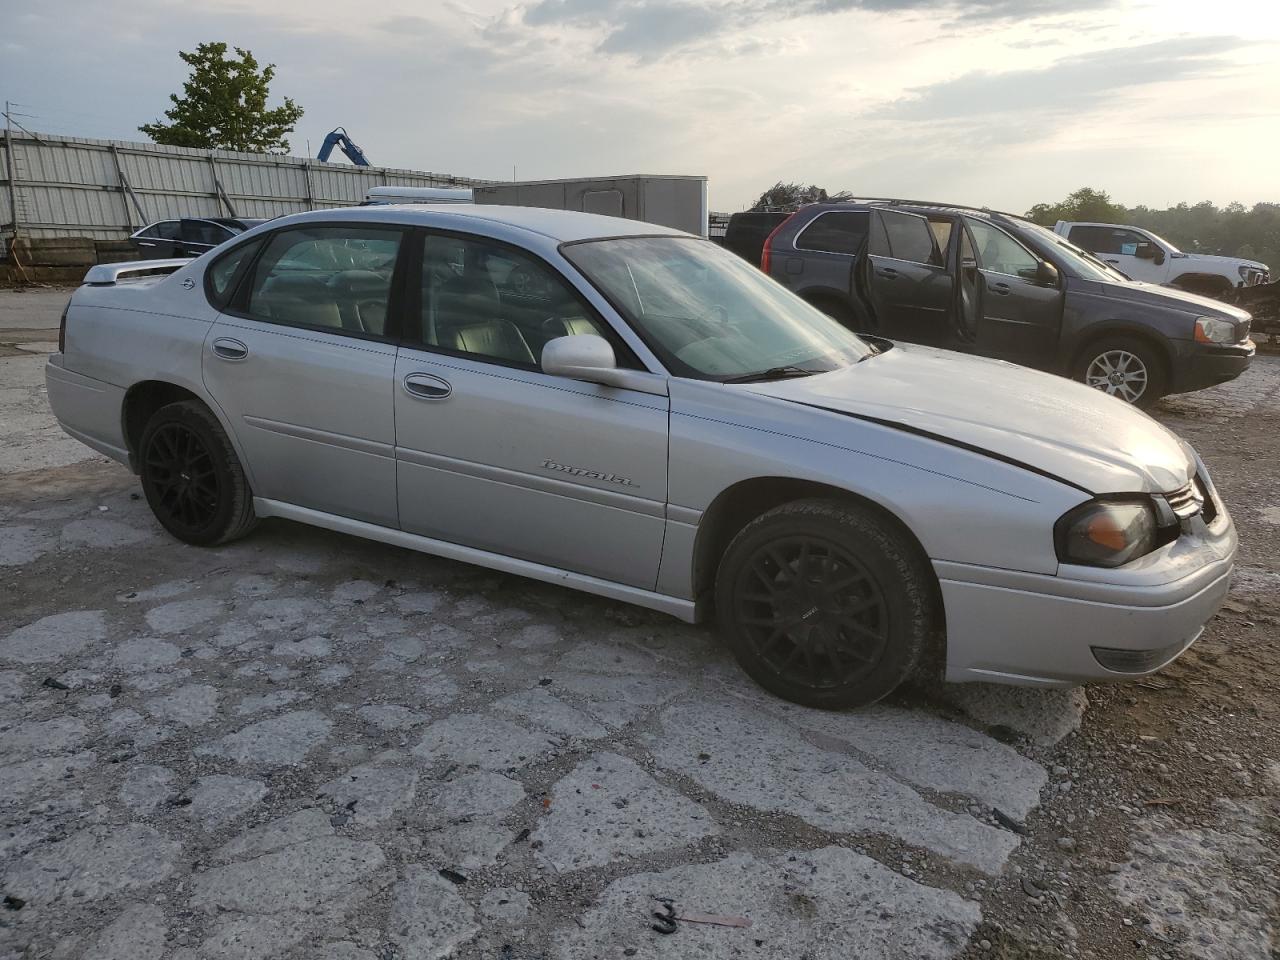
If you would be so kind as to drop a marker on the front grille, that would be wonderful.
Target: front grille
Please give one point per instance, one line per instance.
(1187, 501)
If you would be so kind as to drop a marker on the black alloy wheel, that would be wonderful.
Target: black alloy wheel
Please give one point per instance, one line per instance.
(179, 468)
(811, 613)
(827, 603)
(191, 476)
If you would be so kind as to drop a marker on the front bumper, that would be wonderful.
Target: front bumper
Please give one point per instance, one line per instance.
(1198, 366)
(1086, 624)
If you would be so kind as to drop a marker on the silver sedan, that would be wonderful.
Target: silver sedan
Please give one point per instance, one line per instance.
(632, 411)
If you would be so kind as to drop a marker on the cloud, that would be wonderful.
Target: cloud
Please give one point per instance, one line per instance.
(1070, 85)
(655, 28)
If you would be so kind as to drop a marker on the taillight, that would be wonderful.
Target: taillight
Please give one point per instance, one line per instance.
(62, 329)
(766, 255)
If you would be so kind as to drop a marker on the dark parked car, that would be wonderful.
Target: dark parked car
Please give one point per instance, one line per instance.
(746, 233)
(1001, 286)
(166, 239)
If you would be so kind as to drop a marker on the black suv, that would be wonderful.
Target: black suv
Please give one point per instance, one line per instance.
(999, 285)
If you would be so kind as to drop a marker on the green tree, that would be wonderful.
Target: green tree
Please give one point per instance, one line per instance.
(224, 105)
(789, 196)
(1083, 204)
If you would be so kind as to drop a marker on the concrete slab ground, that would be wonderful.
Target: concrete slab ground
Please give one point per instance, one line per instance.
(307, 745)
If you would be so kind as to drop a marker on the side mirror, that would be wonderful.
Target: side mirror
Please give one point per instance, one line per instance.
(1047, 274)
(1147, 251)
(1158, 257)
(587, 357)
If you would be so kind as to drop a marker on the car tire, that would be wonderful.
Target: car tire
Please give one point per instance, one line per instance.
(192, 477)
(1103, 360)
(845, 634)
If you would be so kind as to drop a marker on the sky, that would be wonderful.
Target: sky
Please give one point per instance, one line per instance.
(1000, 103)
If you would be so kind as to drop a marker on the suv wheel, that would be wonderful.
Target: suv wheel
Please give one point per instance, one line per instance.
(191, 477)
(1128, 369)
(825, 604)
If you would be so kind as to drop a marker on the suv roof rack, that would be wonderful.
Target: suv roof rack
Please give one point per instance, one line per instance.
(933, 203)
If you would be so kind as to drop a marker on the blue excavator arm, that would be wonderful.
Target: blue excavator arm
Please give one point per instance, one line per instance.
(338, 138)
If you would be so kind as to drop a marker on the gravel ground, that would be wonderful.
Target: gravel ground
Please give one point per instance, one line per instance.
(306, 745)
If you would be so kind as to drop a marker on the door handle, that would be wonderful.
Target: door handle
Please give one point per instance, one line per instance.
(144, 243)
(228, 349)
(887, 272)
(999, 288)
(1109, 260)
(424, 386)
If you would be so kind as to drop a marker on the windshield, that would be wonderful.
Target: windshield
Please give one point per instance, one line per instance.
(1081, 261)
(709, 314)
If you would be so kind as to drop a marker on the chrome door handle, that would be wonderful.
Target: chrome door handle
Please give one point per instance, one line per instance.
(424, 386)
(144, 243)
(229, 349)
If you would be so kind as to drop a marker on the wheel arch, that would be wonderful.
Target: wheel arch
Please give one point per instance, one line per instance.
(145, 397)
(1195, 282)
(740, 503)
(1120, 328)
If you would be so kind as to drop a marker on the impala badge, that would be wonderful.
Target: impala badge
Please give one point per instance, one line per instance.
(587, 474)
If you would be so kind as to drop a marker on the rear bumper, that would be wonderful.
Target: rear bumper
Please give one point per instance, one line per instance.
(1198, 366)
(1030, 629)
(87, 409)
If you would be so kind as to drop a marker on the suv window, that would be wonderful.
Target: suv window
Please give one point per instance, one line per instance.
(905, 236)
(336, 278)
(488, 301)
(999, 252)
(835, 232)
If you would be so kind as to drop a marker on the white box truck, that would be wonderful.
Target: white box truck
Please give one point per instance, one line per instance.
(679, 202)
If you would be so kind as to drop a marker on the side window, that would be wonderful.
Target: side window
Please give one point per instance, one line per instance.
(835, 232)
(941, 233)
(1092, 239)
(1127, 242)
(494, 303)
(224, 271)
(999, 252)
(204, 232)
(906, 236)
(336, 278)
(164, 230)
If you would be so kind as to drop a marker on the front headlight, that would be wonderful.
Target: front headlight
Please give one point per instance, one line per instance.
(1215, 330)
(1107, 533)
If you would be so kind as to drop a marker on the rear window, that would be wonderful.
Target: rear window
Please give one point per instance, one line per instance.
(841, 232)
(746, 233)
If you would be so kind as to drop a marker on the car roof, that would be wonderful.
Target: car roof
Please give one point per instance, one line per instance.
(910, 205)
(560, 225)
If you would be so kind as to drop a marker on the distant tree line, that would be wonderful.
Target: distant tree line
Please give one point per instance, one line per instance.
(1231, 231)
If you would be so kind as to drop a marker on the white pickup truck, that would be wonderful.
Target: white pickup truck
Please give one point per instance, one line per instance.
(1141, 255)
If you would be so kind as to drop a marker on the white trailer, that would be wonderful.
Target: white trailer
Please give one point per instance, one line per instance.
(679, 202)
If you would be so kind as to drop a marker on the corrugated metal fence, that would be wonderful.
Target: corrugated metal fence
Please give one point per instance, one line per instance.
(56, 186)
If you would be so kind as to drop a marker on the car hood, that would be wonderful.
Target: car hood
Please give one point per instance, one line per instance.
(1047, 423)
(1173, 298)
(1222, 261)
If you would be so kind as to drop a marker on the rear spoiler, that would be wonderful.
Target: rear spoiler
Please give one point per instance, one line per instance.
(105, 274)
